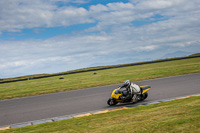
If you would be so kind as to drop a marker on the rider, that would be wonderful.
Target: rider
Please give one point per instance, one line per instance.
(132, 89)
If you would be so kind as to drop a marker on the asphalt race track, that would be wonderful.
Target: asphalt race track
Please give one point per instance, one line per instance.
(72, 102)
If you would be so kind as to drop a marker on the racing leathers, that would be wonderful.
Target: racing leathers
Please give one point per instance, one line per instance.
(133, 91)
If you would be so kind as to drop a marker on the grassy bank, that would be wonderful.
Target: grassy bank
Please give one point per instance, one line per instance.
(103, 77)
(39, 76)
(180, 115)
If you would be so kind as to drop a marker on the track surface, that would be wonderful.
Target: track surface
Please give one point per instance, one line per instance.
(71, 102)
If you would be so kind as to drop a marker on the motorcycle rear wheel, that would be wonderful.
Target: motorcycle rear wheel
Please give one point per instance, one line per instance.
(144, 96)
(111, 102)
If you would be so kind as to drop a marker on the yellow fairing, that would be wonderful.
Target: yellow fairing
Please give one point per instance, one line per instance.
(116, 96)
(145, 88)
(145, 91)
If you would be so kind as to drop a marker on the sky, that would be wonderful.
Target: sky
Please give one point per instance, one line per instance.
(50, 36)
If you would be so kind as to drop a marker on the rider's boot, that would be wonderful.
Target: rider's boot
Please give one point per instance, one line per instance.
(136, 98)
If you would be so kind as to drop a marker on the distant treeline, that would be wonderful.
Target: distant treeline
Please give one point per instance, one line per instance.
(31, 77)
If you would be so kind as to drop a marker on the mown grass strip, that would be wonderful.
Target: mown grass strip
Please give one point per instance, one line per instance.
(103, 77)
(180, 115)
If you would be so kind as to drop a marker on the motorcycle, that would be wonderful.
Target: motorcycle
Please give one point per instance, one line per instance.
(117, 93)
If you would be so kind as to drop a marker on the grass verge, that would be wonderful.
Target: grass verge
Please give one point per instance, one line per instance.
(180, 115)
(103, 77)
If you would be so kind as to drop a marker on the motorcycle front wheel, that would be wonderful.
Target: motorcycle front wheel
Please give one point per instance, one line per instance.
(111, 102)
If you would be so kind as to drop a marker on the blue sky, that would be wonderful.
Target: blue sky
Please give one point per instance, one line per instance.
(49, 36)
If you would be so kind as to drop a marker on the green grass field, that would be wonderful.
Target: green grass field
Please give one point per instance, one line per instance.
(37, 76)
(177, 116)
(104, 77)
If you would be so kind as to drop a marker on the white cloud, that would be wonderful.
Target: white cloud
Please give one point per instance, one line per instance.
(98, 8)
(117, 39)
(22, 14)
(156, 4)
(146, 48)
(112, 13)
(120, 6)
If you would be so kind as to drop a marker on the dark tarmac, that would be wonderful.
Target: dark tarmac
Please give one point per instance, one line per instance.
(71, 102)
